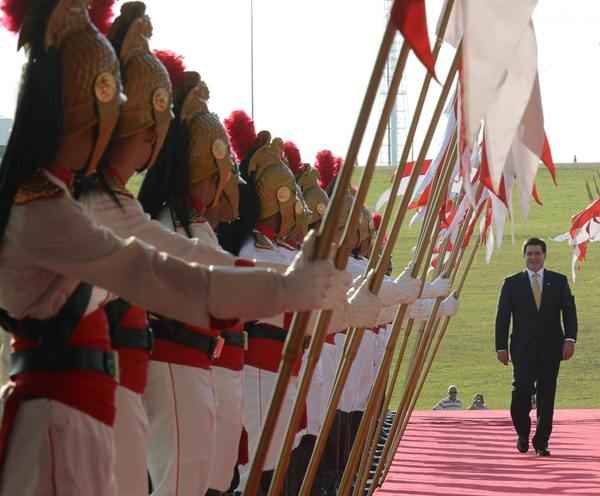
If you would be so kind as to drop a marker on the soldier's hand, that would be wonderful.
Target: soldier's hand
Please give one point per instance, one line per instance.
(568, 350)
(313, 285)
(502, 357)
(363, 306)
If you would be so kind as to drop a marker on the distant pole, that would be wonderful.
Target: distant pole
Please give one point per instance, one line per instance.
(252, 56)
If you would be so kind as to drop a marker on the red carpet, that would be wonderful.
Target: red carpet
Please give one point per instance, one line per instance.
(474, 453)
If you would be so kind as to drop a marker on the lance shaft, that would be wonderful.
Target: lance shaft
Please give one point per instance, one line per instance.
(295, 338)
(397, 436)
(408, 396)
(355, 335)
(384, 400)
(318, 337)
(346, 481)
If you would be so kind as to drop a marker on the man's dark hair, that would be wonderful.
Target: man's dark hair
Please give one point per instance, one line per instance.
(534, 242)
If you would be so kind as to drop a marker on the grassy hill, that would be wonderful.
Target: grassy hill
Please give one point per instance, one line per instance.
(467, 357)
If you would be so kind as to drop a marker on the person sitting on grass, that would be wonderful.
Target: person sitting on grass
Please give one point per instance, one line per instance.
(451, 402)
(478, 403)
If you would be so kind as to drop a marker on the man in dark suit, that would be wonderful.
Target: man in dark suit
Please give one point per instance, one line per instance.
(535, 299)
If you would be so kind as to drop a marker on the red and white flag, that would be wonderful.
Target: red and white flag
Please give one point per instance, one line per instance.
(406, 173)
(410, 18)
(585, 228)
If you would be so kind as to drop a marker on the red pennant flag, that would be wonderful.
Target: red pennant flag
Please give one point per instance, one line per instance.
(410, 19)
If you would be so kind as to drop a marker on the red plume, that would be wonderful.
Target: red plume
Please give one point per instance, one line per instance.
(241, 131)
(292, 154)
(174, 65)
(339, 161)
(101, 14)
(13, 13)
(325, 164)
(376, 219)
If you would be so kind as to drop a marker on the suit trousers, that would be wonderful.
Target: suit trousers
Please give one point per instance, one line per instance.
(536, 373)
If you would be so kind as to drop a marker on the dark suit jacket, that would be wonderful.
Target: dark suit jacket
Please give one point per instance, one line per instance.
(532, 329)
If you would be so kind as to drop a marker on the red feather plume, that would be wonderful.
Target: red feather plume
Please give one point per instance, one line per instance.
(101, 14)
(339, 161)
(13, 14)
(377, 220)
(325, 164)
(241, 131)
(292, 154)
(174, 64)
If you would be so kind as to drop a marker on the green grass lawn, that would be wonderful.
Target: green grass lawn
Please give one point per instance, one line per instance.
(467, 356)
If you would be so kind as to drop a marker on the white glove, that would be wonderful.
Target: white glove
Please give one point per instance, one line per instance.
(421, 309)
(314, 285)
(387, 315)
(338, 322)
(448, 307)
(405, 289)
(363, 306)
(438, 288)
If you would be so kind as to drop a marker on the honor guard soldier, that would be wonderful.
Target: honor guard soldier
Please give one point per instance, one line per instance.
(196, 179)
(57, 426)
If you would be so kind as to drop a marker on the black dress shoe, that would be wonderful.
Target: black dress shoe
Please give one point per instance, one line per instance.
(523, 445)
(542, 452)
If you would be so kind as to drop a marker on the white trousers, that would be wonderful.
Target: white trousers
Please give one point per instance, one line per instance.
(315, 399)
(329, 361)
(56, 450)
(356, 391)
(131, 443)
(180, 403)
(258, 389)
(228, 393)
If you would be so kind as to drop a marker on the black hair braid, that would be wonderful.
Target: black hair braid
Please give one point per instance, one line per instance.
(38, 122)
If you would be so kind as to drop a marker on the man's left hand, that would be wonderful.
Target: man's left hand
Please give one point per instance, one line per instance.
(568, 350)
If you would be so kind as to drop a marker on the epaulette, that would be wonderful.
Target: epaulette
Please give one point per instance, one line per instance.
(263, 242)
(39, 187)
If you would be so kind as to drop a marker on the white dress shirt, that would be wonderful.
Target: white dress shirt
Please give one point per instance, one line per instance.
(540, 273)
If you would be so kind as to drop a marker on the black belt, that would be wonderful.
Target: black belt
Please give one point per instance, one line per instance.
(64, 360)
(266, 331)
(177, 333)
(237, 339)
(135, 339)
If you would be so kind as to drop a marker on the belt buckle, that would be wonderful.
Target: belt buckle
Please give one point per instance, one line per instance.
(111, 362)
(216, 348)
(245, 340)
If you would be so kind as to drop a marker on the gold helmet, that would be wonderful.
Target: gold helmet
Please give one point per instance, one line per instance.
(276, 187)
(314, 195)
(209, 150)
(262, 159)
(91, 83)
(146, 80)
(366, 226)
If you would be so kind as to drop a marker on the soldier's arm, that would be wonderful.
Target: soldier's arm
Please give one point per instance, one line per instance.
(58, 236)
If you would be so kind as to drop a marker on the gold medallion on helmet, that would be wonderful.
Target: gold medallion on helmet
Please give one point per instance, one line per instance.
(284, 194)
(105, 87)
(219, 149)
(321, 208)
(161, 100)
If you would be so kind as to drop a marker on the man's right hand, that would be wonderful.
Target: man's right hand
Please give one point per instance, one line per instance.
(502, 357)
